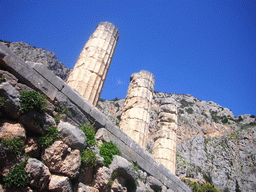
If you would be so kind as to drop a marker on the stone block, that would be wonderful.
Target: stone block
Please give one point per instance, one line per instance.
(47, 74)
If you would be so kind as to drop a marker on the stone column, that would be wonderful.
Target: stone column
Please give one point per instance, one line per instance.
(136, 113)
(164, 149)
(91, 68)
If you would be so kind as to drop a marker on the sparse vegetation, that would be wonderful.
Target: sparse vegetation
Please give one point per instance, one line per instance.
(88, 130)
(88, 158)
(16, 145)
(32, 100)
(2, 78)
(2, 102)
(107, 151)
(185, 103)
(200, 187)
(190, 111)
(50, 137)
(17, 177)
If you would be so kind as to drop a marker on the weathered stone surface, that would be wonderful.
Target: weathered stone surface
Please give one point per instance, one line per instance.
(11, 100)
(39, 175)
(119, 185)
(72, 136)
(86, 175)
(32, 147)
(8, 77)
(8, 159)
(164, 149)
(38, 122)
(154, 183)
(136, 112)
(124, 168)
(92, 65)
(60, 159)
(60, 184)
(102, 136)
(102, 176)
(9, 129)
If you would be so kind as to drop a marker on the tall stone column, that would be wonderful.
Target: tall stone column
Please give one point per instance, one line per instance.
(164, 149)
(91, 68)
(136, 113)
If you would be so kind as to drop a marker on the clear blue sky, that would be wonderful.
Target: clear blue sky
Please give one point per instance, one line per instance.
(198, 47)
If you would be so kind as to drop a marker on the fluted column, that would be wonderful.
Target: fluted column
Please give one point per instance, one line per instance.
(164, 149)
(91, 68)
(136, 113)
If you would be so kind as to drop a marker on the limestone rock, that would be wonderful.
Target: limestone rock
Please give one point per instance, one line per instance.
(11, 100)
(72, 136)
(124, 168)
(102, 135)
(154, 183)
(9, 129)
(32, 147)
(60, 159)
(8, 77)
(38, 122)
(86, 175)
(84, 188)
(60, 184)
(102, 176)
(92, 65)
(38, 173)
(119, 185)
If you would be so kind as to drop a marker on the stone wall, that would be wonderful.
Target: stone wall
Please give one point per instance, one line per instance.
(91, 68)
(40, 78)
(164, 149)
(136, 112)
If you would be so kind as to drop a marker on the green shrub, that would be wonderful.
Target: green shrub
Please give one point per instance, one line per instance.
(17, 177)
(117, 105)
(2, 78)
(135, 166)
(88, 158)
(181, 111)
(32, 100)
(185, 103)
(190, 111)
(16, 145)
(50, 137)
(89, 133)
(116, 99)
(107, 150)
(2, 102)
(110, 182)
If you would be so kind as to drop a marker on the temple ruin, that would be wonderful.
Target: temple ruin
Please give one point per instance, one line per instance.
(91, 68)
(164, 149)
(136, 113)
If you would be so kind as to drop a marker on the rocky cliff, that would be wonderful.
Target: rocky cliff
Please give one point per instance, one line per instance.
(39, 55)
(212, 144)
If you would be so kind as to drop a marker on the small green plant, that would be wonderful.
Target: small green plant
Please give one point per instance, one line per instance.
(60, 110)
(185, 103)
(17, 177)
(16, 145)
(50, 137)
(107, 150)
(2, 102)
(89, 133)
(2, 78)
(190, 110)
(135, 166)
(110, 182)
(88, 158)
(181, 111)
(32, 100)
(117, 105)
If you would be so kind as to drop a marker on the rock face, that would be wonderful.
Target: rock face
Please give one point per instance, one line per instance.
(164, 149)
(93, 63)
(38, 55)
(12, 130)
(136, 112)
(72, 136)
(61, 160)
(38, 173)
(60, 184)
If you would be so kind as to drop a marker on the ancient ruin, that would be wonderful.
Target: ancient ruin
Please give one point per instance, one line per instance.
(91, 68)
(136, 113)
(164, 149)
